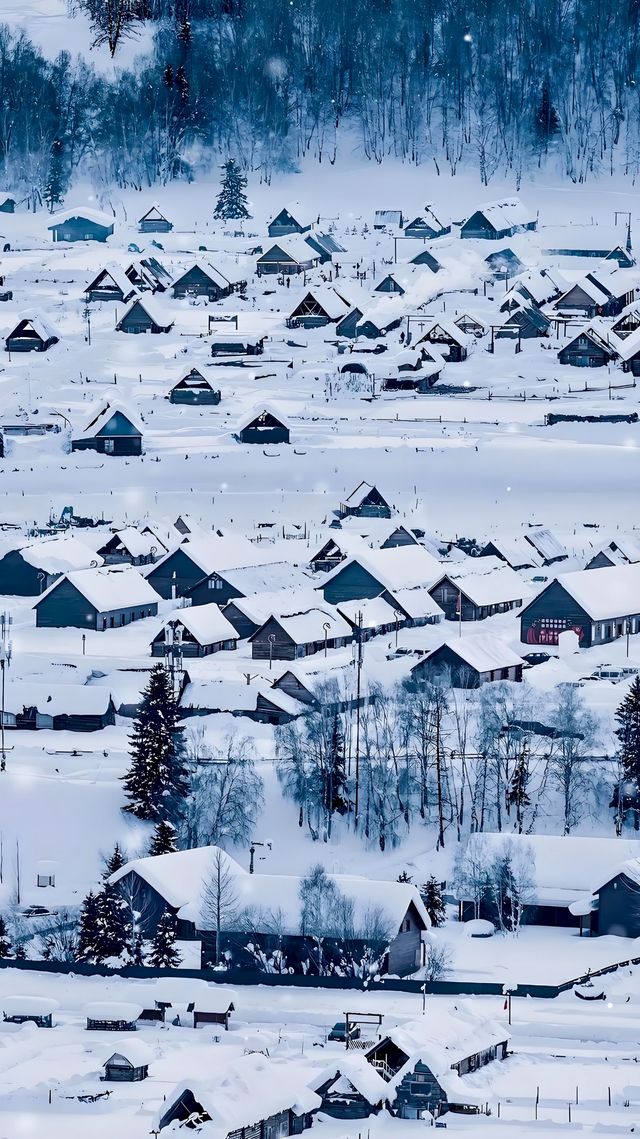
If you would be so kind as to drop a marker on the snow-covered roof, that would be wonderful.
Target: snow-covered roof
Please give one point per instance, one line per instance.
(256, 412)
(483, 652)
(399, 567)
(236, 696)
(309, 626)
(118, 276)
(28, 1005)
(251, 1089)
(375, 611)
(135, 1051)
(214, 553)
(628, 346)
(56, 699)
(103, 412)
(60, 554)
(268, 576)
(209, 270)
(214, 999)
(277, 603)
(136, 544)
(613, 591)
(179, 877)
(546, 543)
(361, 492)
(506, 213)
(564, 868)
(206, 623)
(450, 329)
(294, 248)
(517, 552)
(328, 300)
(120, 587)
(150, 307)
(417, 602)
(113, 1010)
(491, 588)
(359, 1073)
(153, 212)
(586, 285)
(82, 213)
(39, 325)
(622, 551)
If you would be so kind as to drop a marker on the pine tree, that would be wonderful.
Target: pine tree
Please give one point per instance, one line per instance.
(114, 862)
(113, 924)
(5, 944)
(87, 933)
(431, 895)
(156, 782)
(164, 954)
(20, 953)
(336, 790)
(232, 200)
(546, 122)
(163, 840)
(56, 183)
(626, 795)
(517, 794)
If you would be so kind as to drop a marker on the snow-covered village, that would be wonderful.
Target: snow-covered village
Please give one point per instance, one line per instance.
(319, 569)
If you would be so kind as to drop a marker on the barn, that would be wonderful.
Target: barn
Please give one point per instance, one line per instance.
(31, 334)
(264, 426)
(111, 430)
(96, 599)
(195, 390)
(81, 225)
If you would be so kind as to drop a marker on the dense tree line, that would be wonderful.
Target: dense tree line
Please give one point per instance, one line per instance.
(494, 85)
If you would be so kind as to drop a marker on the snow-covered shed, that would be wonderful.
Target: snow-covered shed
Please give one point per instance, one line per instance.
(287, 221)
(263, 425)
(202, 279)
(471, 661)
(365, 501)
(112, 1016)
(81, 224)
(289, 256)
(256, 701)
(300, 634)
(133, 547)
(195, 390)
(198, 631)
(495, 220)
(31, 334)
(111, 284)
(318, 307)
(143, 315)
(350, 1088)
(36, 705)
(473, 596)
(203, 557)
(97, 599)
(129, 1063)
(620, 551)
(252, 1096)
(154, 221)
(376, 572)
(20, 1009)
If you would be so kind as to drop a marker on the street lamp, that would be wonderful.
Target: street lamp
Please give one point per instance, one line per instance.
(272, 641)
(326, 626)
(397, 613)
(5, 661)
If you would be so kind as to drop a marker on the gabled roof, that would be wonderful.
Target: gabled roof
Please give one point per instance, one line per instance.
(545, 543)
(60, 554)
(493, 588)
(326, 242)
(361, 493)
(153, 214)
(107, 589)
(193, 380)
(259, 606)
(506, 213)
(38, 324)
(83, 213)
(293, 247)
(450, 330)
(331, 303)
(261, 409)
(105, 411)
(586, 285)
(135, 543)
(208, 270)
(306, 627)
(295, 214)
(400, 567)
(57, 699)
(180, 877)
(603, 594)
(149, 308)
(482, 652)
(356, 1071)
(213, 553)
(117, 275)
(206, 623)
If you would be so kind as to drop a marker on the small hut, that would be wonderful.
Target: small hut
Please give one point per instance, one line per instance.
(129, 1063)
(194, 389)
(112, 1016)
(264, 426)
(154, 222)
(214, 1006)
(39, 1010)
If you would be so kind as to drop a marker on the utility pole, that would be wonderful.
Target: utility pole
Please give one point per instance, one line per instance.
(5, 661)
(173, 655)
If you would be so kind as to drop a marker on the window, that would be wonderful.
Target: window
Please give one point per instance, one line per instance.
(109, 447)
(214, 583)
(46, 880)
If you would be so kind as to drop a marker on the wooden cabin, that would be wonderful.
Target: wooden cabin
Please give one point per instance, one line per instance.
(110, 284)
(7, 204)
(96, 599)
(141, 316)
(212, 1007)
(195, 390)
(318, 308)
(469, 662)
(112, 431)
(81, 225)
(525, 322)
(112, 1016)
(476, 596)
(199, 631)
(300, 635)
(264, 427)
(285, 223)
(31, 334)
(204, 280)
(427, 226)
(504, 264)
(154, 222)
(600, 605)
(30, 569)
(365, 502)
(453, 343)
(426, 258)
(129, 1064)
(33, 707)
(131, 547)
(325, 245)
(287, 258)
(278, 1105)
(499, 219)
(587, 350)
(237, 345)
(351, 1088)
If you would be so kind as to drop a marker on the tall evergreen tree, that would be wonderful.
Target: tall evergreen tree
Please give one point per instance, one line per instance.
(431, 895)
(163, 840)
(626, 795)
(113, 923)
(88, 931)
(156, 782)
(56, 183)
(115, 861)
(5, 944)
(232, 200)
(547, 122)
(336, 772)
(164, 954)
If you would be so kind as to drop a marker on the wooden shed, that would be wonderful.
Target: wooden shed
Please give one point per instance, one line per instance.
(20, 1009)
(300, 635)
(195, 390)
(213, 1007)
(470, 662)
(154, 221)
(587, 350)
(365, 502)
(31, 334)
(8, 203)
(264, 426)
(204, 280)
(111, 284)
(112, 1016)
(288, 257)
(129, 1063)
(499, 219)
(200, 631)
(285, 222)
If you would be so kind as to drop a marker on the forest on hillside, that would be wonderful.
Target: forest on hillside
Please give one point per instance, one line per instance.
(494, 86)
